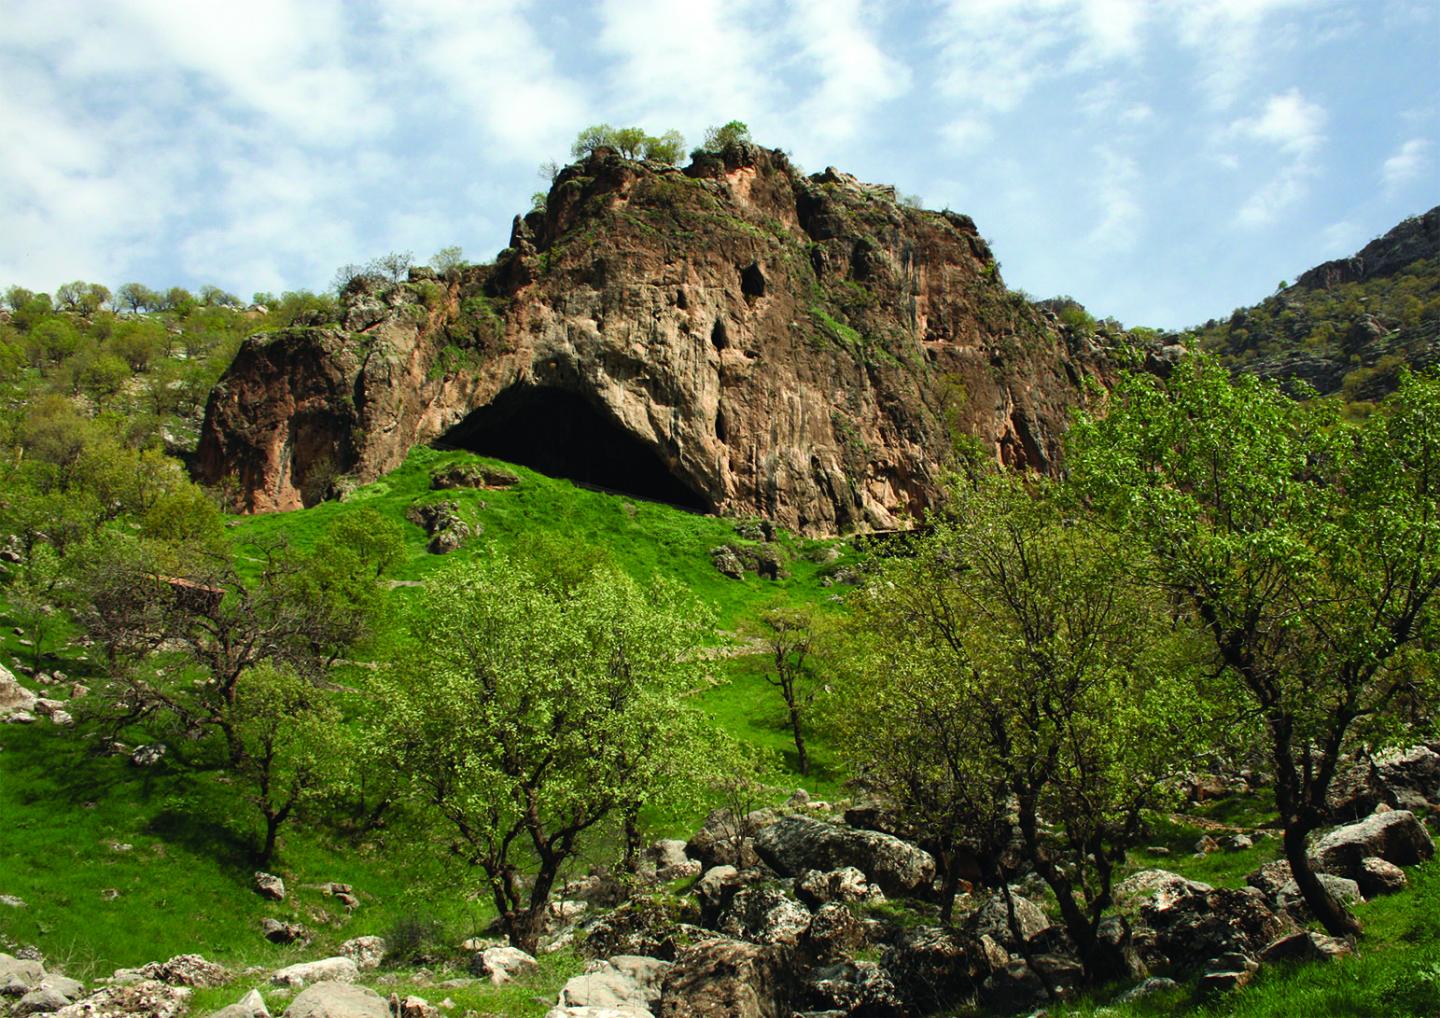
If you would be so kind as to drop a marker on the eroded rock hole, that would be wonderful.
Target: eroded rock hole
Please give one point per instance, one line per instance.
(752, 281)
(718, 336)
(561, 434)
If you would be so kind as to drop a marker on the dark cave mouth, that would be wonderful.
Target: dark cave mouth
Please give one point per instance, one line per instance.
(559, 433)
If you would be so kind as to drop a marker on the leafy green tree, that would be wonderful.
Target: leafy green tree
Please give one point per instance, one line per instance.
(591, 138)
(1017, 666)
(628, 141)
(376, 541)
(447, 260)
(668, 148)
(139, 341)
(17, 297)
(789, 636)
(294, 749)
(529, 718)
(214, 296)
(34, 599)
(137, 297)
(718, 139)
(81, 297)
(1308, 550)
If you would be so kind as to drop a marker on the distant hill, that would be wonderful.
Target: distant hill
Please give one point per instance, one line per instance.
(1347, 326)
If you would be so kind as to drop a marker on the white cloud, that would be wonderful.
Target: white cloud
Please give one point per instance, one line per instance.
(855, 74)
(1227, 38)
(1295, 128)
(1116, 182)
(1408, 162)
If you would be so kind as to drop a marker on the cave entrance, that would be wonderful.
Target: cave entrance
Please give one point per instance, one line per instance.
(561, 434)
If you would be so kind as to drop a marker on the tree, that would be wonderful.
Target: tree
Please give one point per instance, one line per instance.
(669, 148)
(789, 635)
(589, 139)
(81, 297)
(447, 260)
(718, 139)
(528, 718)
(138, 297)
(628, 141)
(1029, 688)
(293, 744)
(1308, 549)
(34, 601)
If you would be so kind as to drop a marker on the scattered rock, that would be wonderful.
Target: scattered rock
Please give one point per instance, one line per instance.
(727, 562)
(11, 901)
(1147, 988)
(341, 970)
(181, 970)
(1156, 888)
(1206, 845)
(722, 978)
(148, 998)
(816, 887)
(365, 952)
(19, 975)
(934, 967)
(472, 475)
(503, 964)
(278, 931)
(764, 915)
(42, 1000)
(148, 755)
(629, 984)
(1377, 877)
(1195, 928)
(834, 933)
(992, 919)
(1397, 837)
(14, 698)
(853, 988)
(1343, 890)
(1306, 945)
(328, 999)
(267, 885)
(1238, 842)
(671, 862)
(794, 844)
(252, 1005)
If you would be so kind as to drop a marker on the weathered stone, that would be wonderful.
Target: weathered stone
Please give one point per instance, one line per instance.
(764, 915)
(722, 978)
(1195, 928)
(1156, 888)
(737, 385)
(148, 998)
(934, 968)
(1305, 945)
(22, 973)
(503, 964)
(280, 932)
(623, 982)
(1024, 986)
(854, 988)
(727, 840)
(653, 927)
(816, 887)
(834, 933)
(1343, 890)
(43, 1000)
(1147, 988)
(14, 698)
(795, 844)
(252, 1005)
(332, 999)
(1377, 876)
(149, 755)
(1397, 837)
(365, 952)
(341, 970)
(992, 919)
(182, 970)
(267, 885)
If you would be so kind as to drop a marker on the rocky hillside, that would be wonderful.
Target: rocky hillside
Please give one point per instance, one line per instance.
(1347, 326)
(734, 337)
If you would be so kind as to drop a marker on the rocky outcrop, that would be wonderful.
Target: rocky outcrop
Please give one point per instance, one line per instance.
(734, 337)
(1413, 238)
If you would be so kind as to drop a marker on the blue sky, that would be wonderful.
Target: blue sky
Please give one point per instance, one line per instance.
(1163, 161)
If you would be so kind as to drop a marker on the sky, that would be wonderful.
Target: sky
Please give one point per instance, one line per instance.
(1162, 161)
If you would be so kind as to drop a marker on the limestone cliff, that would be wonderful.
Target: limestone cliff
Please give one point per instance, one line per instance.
(734, 337)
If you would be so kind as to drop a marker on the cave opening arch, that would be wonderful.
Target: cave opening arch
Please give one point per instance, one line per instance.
(562, 434)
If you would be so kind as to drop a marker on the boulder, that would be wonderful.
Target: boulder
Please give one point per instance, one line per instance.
(267, 885)
(330, 999)
(336, 970)
(834, 934)
(280, 932)
(854, 988)
(1305, 945)
(794, 844)
(764, 915)
(1155, 888)
(42, 1000)
(992, 919)
(727, 840)
(1397, 837)
(723, 978)
(1343, 890)
(935, 968)
(503, 964)
(717, 887)
(149, 998)
(252, 1005)
(1147, 988)
(181, 970)
(148, 755)
(1022, 986)
(365, 952)
(816, 887)
(1400, 778)
(653, 927)
(624, 983)
(19, 974)
(671, 862)
(1196, 928)
(14, 698)
(1377, 877)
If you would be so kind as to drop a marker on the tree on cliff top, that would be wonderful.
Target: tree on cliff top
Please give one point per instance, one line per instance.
(1308, 549)
(530, 716)
(630, 142)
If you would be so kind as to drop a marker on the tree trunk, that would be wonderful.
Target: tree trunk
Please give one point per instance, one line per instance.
(950, 881)
(272, 831)
(1335, 917)
(804, 758)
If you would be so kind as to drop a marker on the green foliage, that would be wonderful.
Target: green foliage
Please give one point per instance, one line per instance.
(718, 139)
(1308, 549)
(1012, 669)
(630, 142)
(447, 260)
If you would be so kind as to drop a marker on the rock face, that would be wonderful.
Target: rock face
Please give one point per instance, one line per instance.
(733, 337)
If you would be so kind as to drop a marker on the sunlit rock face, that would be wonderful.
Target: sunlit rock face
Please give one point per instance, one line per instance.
(733, 337)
